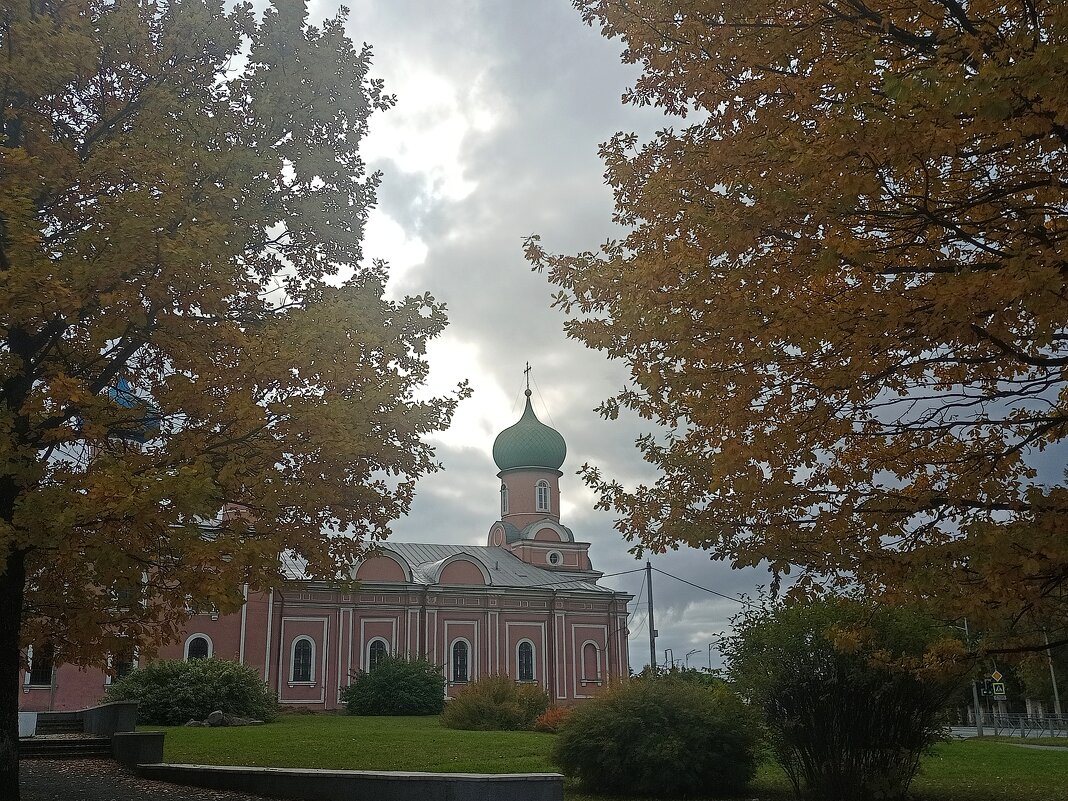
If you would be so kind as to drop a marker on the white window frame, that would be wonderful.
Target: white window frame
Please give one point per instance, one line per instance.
(367, 653)
(533, 661)
(135, 659)
(29, 670)
(293, 662)
(190, 638)
(549, 558)
(452, 660)
(543, 499)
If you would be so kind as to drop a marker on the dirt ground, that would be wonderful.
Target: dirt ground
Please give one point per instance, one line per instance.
(105, 780)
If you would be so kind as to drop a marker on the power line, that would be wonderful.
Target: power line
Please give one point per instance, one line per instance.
(638, 627)
(637, 601)
(587, 581)
(699, 587)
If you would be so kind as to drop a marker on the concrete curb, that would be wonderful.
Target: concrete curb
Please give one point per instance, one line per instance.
(301, 784)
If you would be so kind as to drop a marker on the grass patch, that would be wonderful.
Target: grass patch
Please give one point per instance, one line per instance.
(1060, 742)
(969, 770)
(344, 742)
(980, 770)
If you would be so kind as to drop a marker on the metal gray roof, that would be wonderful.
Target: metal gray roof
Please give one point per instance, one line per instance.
(504, 568)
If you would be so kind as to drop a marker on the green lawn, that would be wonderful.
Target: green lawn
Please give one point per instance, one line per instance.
(959, 771)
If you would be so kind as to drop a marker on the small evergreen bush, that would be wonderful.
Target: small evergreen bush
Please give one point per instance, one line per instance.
(396, 686)
(495, 703)
(660, 737)
(172, 692)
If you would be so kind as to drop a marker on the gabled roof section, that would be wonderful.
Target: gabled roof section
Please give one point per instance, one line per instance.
(528, 532)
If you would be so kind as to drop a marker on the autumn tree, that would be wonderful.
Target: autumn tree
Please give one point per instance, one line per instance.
(848, 711)
(186, 321)
(842, 292)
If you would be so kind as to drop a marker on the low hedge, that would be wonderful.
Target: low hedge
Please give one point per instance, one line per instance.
(173, 692)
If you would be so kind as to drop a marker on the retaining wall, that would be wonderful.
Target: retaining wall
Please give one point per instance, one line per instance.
(350, 785)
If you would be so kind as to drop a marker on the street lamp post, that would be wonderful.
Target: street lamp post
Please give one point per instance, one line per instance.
(975, 691)
(689, 654)
(1052, 677)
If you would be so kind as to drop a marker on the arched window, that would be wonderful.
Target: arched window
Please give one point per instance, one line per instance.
(303, 659)
(376, 652)
(591, 662)
(542, 496)
(459, 661)
(526, 661)
(198, 647)
(42, 659)
(504, 499)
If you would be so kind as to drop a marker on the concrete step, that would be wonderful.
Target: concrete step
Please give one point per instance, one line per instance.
(64, 747)
(46, 726)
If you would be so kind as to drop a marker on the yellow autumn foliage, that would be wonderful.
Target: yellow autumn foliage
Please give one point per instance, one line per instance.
(843, 285)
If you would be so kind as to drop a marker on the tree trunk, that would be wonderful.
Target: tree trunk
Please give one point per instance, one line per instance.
(12, 586)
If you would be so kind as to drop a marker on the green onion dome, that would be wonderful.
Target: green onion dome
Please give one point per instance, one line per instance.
(529, 443)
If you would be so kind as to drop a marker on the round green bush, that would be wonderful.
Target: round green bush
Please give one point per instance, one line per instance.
(495, 703)
(396, 686)
(173, 692)
(660, 737)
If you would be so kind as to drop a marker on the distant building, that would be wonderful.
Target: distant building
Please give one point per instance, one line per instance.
(527, 605)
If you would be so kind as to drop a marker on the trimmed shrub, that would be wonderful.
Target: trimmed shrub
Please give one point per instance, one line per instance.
(660, 737)
(495, 703)
(173, 692)
(552, 719)
(396, 686)
(849, 702)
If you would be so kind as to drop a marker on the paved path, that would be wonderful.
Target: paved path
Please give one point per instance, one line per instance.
(105, 780)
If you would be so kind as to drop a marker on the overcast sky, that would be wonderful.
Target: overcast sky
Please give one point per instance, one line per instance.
(501, 108)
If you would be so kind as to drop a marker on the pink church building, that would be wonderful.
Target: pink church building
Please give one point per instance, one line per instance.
(527, 604)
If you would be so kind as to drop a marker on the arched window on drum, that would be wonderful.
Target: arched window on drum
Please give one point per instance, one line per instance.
(542, 496)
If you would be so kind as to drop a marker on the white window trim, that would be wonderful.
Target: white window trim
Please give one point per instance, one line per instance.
(367, 651)
(542, 489)
(293, 661)
(549, 558)
(109, 679)
(452, 660)
(190, 638)
(596, 678)
(29, 670)
(533, 660)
